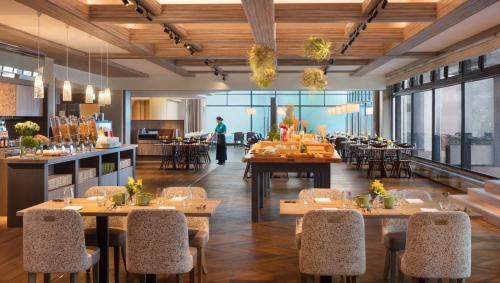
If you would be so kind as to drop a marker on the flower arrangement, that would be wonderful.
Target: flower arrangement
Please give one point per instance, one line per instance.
(390, 142)
(377, 188)
(322, 130)
(43, 140)
(27, 128)
(134, 187)
(30, 142)
(262, 61)
(314, 79)
(380, 139)
(289, 118)
(273, 134)
(317, 48)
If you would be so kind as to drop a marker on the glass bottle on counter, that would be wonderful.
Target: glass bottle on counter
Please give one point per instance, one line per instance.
(92, 131)
(73, 130)
(65, 133)
(56, 132)
(84, 132)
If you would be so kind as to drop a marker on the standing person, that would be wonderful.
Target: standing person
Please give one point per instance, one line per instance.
(220, 131)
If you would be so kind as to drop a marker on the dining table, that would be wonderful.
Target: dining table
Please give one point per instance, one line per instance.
(87, 207)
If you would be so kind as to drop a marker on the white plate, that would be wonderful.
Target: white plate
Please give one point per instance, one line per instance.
(423, 209)
(322, 200)
(329, 208)
(167, 207)
(414, 201)
(178, 199)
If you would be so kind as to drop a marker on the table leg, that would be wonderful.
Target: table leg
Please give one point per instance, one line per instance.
(262, 188)
(317, 178)
(326, 177)
(383, 172)
(188, 157)
(103, 242)
(256, 175)
(174, 157)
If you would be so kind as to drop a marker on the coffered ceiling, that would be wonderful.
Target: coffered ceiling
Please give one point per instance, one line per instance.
(403, 31)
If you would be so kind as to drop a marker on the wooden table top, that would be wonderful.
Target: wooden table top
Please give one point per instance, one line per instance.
(406, 210)
(282, 159)
(90, 207)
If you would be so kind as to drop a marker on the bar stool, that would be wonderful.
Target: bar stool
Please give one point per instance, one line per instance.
(332, 244)
(198, 227)
(394, 232)
(438, 246)
(117, 228)
(333, 194)
(157, 243)
(54, 242)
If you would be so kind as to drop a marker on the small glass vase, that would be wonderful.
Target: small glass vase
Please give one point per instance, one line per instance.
(25, 152)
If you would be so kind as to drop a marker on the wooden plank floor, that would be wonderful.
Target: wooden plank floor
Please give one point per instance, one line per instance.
(240, 251)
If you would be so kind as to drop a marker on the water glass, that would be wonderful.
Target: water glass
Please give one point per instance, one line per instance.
(68, 195)
(346, 199)
(444, 204)
(188, 198)
(102, 197)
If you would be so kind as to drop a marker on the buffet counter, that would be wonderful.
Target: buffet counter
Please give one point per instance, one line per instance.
(31, 181)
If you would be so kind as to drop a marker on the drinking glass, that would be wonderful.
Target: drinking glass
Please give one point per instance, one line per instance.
(187, 200)
(101, 198)
(444, 203)
(68, 195)
(346, 199)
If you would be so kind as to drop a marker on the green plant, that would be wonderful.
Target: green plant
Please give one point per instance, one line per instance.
(314, 79)
(29, 142)
(262, 61)
(317, 48)
(274, 134)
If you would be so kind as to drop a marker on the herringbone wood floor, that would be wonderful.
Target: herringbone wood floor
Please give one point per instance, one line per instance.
(240, 251)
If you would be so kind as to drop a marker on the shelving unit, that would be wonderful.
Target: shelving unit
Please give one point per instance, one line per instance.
(28, 179)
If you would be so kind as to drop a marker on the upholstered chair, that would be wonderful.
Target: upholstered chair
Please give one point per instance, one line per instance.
(394, 232)
(333, 194)
(333, 244)
(438, 246)
(117, 228)
(158, 243)
(198, 227)
(54, 242)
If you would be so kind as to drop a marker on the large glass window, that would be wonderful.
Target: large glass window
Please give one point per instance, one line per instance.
(482, 143)
(448, 124)
(405, 115)
(422, 123)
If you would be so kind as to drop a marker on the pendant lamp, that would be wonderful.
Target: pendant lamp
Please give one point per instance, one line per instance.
(107, 91)
(67, 84)
(38, 87)
(89, 91)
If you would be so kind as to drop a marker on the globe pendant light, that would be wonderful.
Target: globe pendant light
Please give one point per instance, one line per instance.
(67, 84)
(107, 91)
(38, 87)
(89, 91)
(100, 97)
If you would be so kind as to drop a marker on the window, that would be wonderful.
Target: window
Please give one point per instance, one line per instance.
(422, 123)
(482, 146)
(448, 124)
(405, 119)
(492, 58)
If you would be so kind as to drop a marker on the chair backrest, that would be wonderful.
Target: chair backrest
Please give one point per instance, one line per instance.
(438, 245)
(333, 243)
(114, 221)
(54, 241)
(239, 136)
(196, 192)
(320, 193)
(157, 242)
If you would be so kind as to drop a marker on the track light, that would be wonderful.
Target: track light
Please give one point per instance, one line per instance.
(364, 26)
(139, 9)
(206, 62)
(126, 2)
(331, 61)
(177, 40)
(216, 73)
(148, 16)
(325, 71)
(384, 4)
(224, 77)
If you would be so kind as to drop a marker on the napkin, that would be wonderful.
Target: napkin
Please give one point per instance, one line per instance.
(73, 207)
(94, 198)
(329, 208)
(423, 209)
(166, 207)
(178, 198)
(322, 200)
(414, 201)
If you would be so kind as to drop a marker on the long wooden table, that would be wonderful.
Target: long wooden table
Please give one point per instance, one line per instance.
(263, 167)
(90, 208)
(297, 208)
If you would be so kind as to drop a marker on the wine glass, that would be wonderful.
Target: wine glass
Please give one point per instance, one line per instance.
(101, 197)
(188, 198)
(68, 195)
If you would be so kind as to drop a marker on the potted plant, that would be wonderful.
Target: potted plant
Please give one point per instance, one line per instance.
(27, 143)
(317, 48)
(314, 79)
(133, 188)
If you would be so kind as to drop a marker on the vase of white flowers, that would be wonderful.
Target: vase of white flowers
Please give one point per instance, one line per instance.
(27, 143)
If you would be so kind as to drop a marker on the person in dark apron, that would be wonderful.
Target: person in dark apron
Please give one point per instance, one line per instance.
(220, 133)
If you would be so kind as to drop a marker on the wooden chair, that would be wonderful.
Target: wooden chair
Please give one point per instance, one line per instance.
(54, 242)
(310, 194)
(438, 246)
(332, 244)
(157, 243)
(198, 227)
(394, 232)
(117, 228)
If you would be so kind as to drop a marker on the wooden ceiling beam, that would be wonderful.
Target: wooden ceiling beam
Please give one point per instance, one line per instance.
(368, 5)
(284, 13)
(153, 6)
(76, 15)
(77, 59)
(260, 16)
(170, 65)
(281, 62)
(453, 17)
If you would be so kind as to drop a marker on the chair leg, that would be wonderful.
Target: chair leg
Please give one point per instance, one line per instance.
(95, 273)
(150, 278)
(178, 278)
(393, 266)
(116, 262)
(204, 261)
(124, 257)
(305, 278)
(46, 278)
(31, 277)
(73, 277)
(199, 263)
(387, 264)
(461, 280)
(401, 276)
